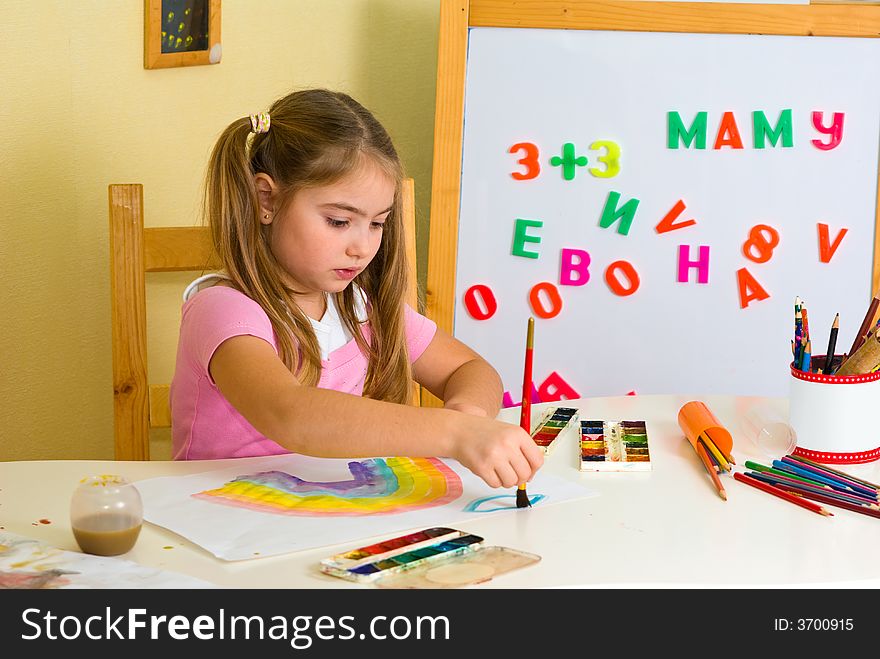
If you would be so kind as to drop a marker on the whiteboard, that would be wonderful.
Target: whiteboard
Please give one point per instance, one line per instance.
(552, 87)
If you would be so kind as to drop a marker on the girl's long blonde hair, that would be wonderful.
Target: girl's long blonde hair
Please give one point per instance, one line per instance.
(316, 138)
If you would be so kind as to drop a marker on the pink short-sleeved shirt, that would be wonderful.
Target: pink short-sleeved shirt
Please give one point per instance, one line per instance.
(204, 424)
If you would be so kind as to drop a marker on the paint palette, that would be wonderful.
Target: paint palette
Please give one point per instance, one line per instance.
(396, 555)
(614, 446)
(554, 422)
(473, 567)
(438, 557)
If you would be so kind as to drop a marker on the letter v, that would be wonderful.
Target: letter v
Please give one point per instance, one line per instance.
(668, 222)
(826, 250)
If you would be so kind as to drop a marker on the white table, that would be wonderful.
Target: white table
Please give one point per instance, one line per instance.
(664, 528)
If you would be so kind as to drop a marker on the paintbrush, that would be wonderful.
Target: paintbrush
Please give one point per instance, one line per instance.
(525, 416)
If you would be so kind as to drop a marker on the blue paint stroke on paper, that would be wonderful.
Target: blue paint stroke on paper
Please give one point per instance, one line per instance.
(474, 506)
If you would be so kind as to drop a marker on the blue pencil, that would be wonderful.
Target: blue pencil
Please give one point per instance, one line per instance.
(844, 482)
(805, 359)
(785, 466)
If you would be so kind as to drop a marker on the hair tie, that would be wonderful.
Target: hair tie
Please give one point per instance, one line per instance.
(260, 122)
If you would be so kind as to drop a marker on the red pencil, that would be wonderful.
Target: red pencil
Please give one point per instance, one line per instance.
(782, 494)
(525, 415)
(704, 456)
(855, 507)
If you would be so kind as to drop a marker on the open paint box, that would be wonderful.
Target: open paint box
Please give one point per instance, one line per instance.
(437, 557)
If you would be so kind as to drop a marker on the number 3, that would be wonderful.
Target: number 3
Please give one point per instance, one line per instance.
(611, 159)
(529, 161)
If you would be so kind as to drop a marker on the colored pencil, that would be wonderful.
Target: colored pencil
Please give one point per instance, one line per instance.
(779, 481)
(844, 482)
(805, 357)
(832, 344)
(525, 417)
(842, 474)
(755, 466)
(701, 451)
(863, 510)
(866, 324)
(719, 456)
(727, 454)
(788, 466)
(806, 321)
(782, 494)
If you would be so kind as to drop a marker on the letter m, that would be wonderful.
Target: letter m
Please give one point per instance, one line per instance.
(762, 130)
(677, 131)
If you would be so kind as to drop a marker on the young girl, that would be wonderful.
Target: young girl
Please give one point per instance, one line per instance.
(303, 343)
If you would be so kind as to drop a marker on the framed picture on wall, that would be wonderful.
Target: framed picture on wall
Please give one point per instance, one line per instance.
(181, 33)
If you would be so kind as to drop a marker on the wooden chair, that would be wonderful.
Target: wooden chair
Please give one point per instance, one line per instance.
(135, 251)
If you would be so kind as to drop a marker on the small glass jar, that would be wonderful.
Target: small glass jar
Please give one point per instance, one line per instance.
(106, 514)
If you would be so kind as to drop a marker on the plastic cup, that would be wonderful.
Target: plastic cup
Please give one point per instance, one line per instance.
(106, 515)
(769, 430)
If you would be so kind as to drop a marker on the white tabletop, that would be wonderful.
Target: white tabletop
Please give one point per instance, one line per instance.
(665, 528)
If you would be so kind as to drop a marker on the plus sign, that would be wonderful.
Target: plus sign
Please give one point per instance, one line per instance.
(568, 161)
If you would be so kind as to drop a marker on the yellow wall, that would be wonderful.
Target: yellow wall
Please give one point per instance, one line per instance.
(79, 112)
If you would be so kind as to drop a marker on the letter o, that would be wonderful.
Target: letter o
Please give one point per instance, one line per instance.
(613, 281)
(472, 298)
(538, 306)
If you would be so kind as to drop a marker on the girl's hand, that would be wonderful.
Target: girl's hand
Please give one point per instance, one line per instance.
(502, 454)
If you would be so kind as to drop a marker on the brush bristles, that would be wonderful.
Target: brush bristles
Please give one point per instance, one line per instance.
(522, 499)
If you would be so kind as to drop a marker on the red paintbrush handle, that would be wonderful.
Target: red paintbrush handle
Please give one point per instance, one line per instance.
(525, 417)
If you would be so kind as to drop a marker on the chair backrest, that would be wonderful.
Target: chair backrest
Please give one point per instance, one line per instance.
(135, 251)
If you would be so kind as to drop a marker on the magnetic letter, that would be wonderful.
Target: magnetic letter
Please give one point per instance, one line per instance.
(761, 129)
(728, 133)
(520, 237)
(507, 399)
(685, 264)
(749, 288)
(628, 271)
(834, 131)
(626, 213)
(538, 306)
(676, 131)
(476, 294)
(569, 267)
(555, 388)
(826, 250)
(668, 222)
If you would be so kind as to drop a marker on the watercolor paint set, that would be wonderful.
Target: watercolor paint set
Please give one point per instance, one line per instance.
(554, 422)
(437, 557)
(614, 446)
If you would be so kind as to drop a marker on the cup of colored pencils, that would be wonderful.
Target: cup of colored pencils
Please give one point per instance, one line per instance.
(711, 441)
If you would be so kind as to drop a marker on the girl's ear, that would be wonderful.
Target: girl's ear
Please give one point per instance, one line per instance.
(266, 189)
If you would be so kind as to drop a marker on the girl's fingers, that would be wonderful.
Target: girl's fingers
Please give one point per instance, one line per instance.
(506, 475)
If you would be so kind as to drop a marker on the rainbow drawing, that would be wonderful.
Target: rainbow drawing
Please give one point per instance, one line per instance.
(379, 486)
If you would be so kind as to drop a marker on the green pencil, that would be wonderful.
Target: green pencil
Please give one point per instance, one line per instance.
(754, 466)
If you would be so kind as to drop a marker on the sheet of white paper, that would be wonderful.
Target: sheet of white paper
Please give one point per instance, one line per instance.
(26, 563)
(234, 533)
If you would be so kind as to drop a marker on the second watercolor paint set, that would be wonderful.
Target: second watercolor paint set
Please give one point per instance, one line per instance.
(437, 557)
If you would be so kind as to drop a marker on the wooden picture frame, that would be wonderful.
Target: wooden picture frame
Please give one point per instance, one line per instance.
(181, 33)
